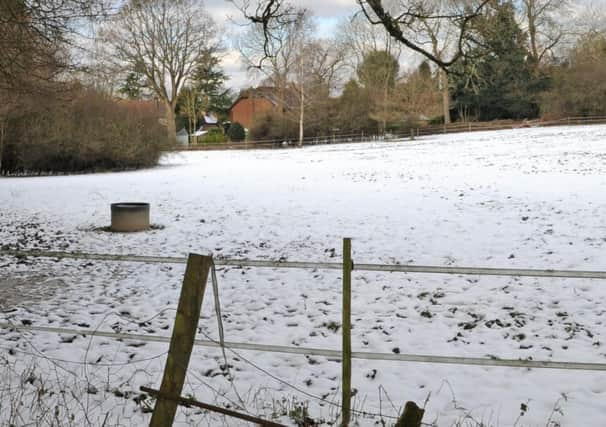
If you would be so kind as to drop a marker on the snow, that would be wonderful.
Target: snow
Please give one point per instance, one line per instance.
(518, 198)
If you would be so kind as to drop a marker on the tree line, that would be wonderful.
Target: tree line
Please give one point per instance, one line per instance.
(513, 61)
(52, 118)
(89, 85)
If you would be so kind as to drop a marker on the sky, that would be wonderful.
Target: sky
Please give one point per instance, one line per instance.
(328, 13)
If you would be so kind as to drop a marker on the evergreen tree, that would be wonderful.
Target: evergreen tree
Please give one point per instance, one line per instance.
(378, 73)
(209, 79)
(353, 109)
(204, 93)
(133, 86)
(236, 132)
(498, 80)
(378, 70)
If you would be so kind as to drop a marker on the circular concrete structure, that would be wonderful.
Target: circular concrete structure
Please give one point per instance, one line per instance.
(130, 217)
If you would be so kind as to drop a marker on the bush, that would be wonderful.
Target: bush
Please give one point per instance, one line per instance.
(274, 126)
(83, 133)
(579, 85)
(213, 136)
(236, 132)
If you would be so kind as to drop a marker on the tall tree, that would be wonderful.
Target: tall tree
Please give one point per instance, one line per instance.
(579, 86)
(301, 68)
(378, 73)
(209, 79)
(440, 37)
(278, 60)
(163, 40)
(358, 38)
(204, 91)
(499, 79)
(34, 37)
(192, 103)
(545, 29)
(417, 96)
(353, 112)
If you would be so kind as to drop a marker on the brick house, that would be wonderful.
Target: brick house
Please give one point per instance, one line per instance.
(253, 103)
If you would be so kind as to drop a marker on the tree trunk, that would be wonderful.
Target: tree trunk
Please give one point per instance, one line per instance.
(532, 29)
(1, 143)
(445, 96)
(3, 131)
(301, 116)
(170, 124)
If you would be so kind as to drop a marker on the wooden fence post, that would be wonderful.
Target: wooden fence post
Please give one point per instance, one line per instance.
(346, 358)
(182, 340)
(412, 416)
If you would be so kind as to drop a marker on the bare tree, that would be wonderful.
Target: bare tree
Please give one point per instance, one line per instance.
(302, 68)
(162, 40)
(544, 28)
(400, 18)
(35, 38)
(439, 35)
(417, 95)
(591, 19)
(358, 38)
(269, 17)
(194, 103)
(275, 55)
(317, 74)
(397, 17)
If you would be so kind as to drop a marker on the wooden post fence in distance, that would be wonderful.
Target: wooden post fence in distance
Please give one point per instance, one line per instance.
(346, 358)
(182, 340)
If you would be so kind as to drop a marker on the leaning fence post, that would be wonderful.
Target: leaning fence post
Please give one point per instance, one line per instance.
(346, 358)
(182, 340)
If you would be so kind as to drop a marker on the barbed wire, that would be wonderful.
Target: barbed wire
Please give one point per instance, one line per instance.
(292, 386)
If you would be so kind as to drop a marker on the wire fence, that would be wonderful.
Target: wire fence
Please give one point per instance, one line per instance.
(335, 354)
(411, 132)
(39, 387)
(94, 385)
(388, 268)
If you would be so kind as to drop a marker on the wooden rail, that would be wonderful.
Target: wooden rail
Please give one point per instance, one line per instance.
(191, 402)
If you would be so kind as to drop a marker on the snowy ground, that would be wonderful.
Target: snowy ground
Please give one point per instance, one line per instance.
(520, 198)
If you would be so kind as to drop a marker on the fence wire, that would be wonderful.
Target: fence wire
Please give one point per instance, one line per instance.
(388, 268)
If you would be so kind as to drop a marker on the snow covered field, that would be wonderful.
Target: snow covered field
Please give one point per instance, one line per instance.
(521, 198)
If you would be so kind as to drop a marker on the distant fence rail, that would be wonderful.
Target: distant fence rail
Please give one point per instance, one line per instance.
(350, 137)
(329, 353)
